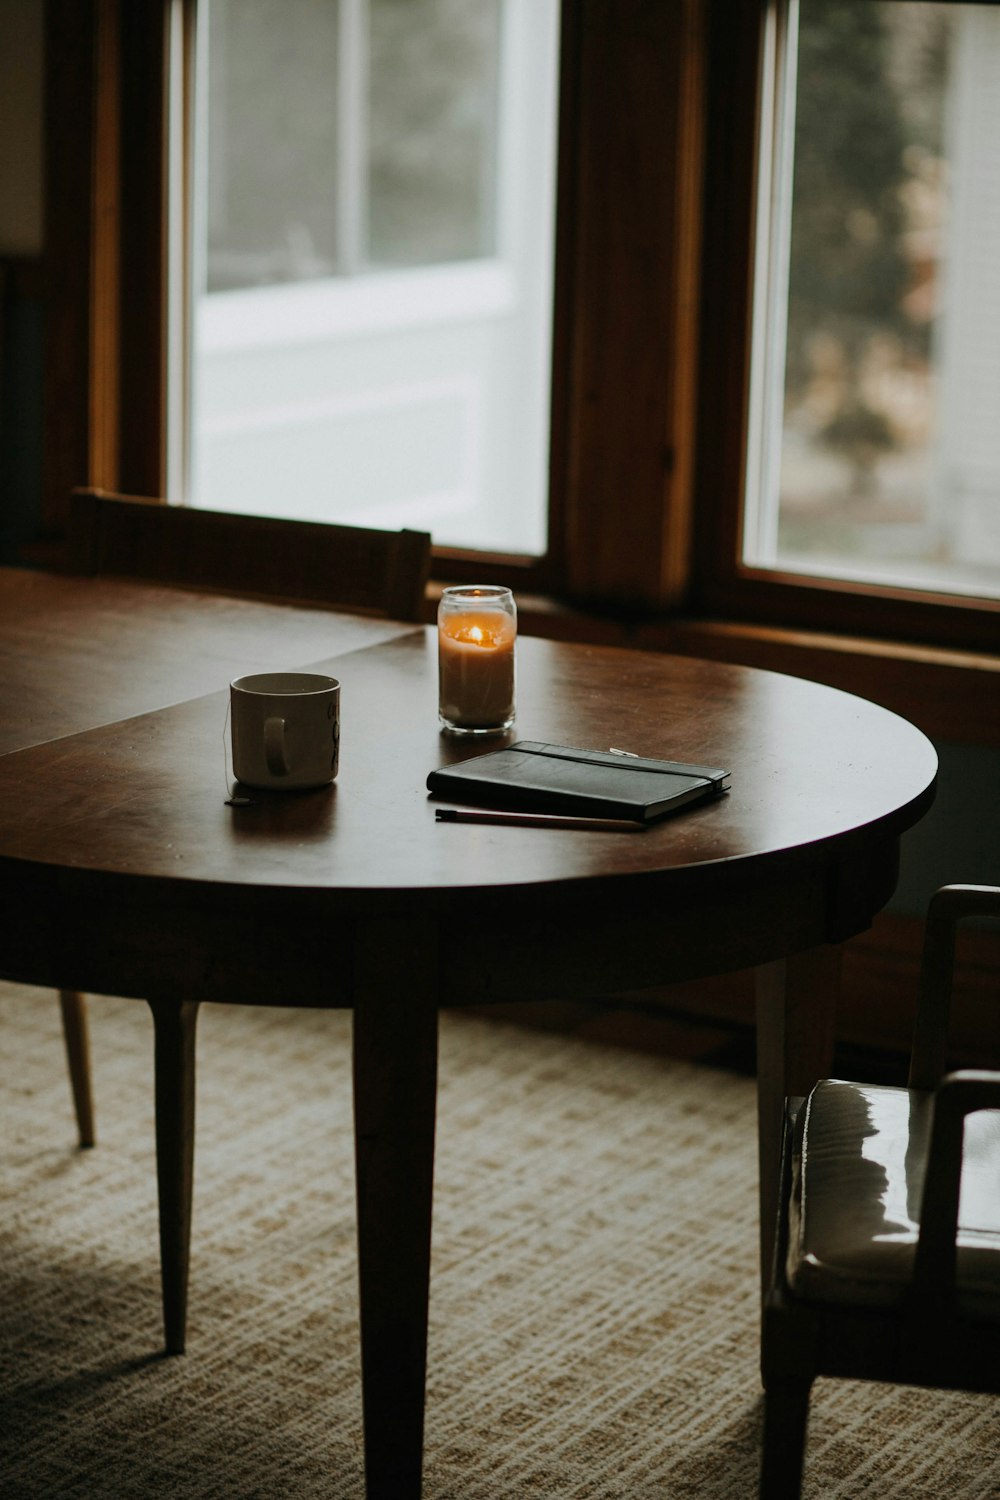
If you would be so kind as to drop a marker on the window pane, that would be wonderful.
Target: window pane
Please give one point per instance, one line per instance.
(432, 116)
(272, 141)
(374, 232)
(885, 404)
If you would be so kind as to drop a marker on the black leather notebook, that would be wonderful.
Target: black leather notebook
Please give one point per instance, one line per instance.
(529, 776)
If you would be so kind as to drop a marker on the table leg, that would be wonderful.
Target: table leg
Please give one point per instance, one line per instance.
(796, 1015)
(74, 1015)
(174, 1037)
(395, 1088)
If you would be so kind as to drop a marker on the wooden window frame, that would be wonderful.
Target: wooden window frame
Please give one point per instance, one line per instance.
(625, 319)
(104, 249)
(626, 300)
(653, 285)
(721, 585)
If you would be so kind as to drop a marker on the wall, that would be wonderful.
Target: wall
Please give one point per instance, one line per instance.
(959, 839)
(21, 237)
(20, 127)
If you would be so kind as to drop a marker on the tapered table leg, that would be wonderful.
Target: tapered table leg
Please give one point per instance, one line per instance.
(174, 1030)
(796, 1015)
(74, 1018)
(395, 1086)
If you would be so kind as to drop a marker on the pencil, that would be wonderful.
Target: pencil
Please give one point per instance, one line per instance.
(537, 820)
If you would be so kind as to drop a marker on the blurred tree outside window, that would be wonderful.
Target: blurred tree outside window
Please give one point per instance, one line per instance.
(432, 143)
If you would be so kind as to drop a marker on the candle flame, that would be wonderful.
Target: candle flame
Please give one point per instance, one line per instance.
(479, 631)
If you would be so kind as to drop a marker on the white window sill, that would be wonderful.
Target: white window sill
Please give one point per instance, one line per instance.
(311, 312)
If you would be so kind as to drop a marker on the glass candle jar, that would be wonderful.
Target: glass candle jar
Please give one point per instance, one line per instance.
(477, 630)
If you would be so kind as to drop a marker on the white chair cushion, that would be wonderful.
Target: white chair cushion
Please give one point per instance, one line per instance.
(858, 1176)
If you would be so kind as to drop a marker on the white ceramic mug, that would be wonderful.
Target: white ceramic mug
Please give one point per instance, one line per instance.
(286, 729)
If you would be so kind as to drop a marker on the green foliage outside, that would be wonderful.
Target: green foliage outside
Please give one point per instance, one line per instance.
(869, 93)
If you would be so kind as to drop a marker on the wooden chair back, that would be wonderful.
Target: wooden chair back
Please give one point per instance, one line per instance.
(304, 562)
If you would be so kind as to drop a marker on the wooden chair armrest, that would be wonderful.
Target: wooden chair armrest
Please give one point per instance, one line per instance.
(958, 1095)
(949, 906)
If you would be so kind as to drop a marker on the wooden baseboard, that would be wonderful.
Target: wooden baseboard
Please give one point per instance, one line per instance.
(875, 1013)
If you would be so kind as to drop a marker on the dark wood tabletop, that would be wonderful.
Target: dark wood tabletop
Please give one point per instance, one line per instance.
(76, 652)
(124, 870)
(813, 770)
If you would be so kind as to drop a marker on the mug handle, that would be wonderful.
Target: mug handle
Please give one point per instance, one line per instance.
(274, 747)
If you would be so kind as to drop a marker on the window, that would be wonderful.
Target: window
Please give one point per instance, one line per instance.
(877, 447)
(373, 263)
(828, 494)
(659, 177)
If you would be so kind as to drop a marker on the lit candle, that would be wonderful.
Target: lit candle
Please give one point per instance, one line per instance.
(477, 629)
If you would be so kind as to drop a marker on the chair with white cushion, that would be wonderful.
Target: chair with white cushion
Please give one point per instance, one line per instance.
(887, 1264)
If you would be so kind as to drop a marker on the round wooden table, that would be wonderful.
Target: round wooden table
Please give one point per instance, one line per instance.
(123, 871)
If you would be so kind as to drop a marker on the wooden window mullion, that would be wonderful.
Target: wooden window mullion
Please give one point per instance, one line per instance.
(627, 316)
(143, 238)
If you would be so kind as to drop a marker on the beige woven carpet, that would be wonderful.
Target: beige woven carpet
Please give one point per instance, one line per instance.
(593, 1301)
